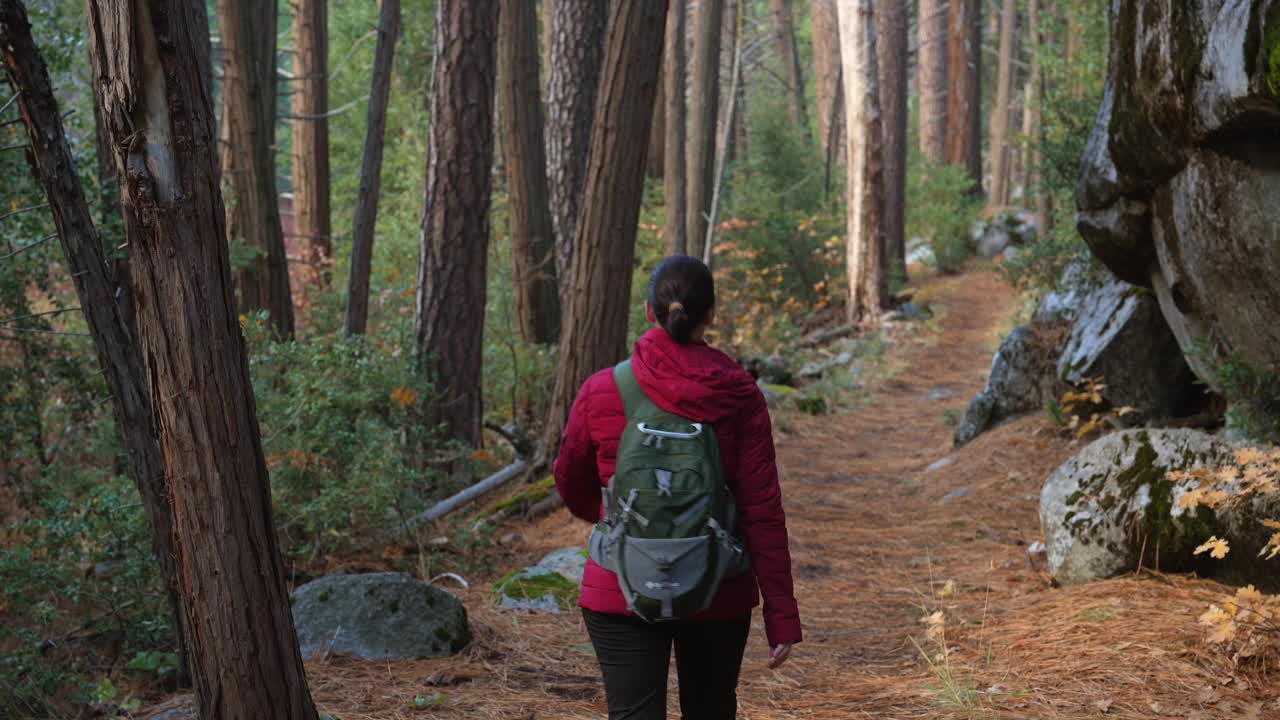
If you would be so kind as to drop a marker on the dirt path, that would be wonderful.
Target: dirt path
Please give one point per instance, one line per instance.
(879, 541)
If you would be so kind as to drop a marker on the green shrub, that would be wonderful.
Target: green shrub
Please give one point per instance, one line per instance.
(941, 210)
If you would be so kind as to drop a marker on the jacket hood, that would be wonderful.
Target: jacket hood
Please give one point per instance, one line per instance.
(694, 381)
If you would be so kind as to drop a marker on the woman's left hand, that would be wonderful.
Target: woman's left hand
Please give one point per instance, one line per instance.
(779, 655)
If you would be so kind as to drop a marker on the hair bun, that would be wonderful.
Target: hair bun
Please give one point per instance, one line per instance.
(674, 306)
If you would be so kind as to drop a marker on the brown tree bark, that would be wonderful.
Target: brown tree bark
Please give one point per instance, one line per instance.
(104, 302)
(151, 60)
(577, 46)
(893, 61)
(248, 32)
(964, 67)
(533, 251)
(827, 75)
(595, 329)
(704, 105)
(1000, 147)
(675, 180)
(932, 78)
(366, 217)
(657, 133)
(868, 279)
(785, 31)
(310, 125)
(449, 322)
(1031, 118)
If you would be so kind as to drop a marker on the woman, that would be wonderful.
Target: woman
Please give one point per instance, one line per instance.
(683, 375)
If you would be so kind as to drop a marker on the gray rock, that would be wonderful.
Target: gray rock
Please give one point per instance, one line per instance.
(955, 495)
(941, 393)
(776, 371)
(1103, 507)
(569, 562)
(1121, 335)
(940, 463)
(549, 586)
(915, 311)
(993, 239)
(378, 616)
(1022, 379)
(1061, 303)
(817, 369)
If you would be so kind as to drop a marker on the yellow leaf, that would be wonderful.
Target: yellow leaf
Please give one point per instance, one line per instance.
(1249, 594)
(1214, 616)
(1225, 632)
(948, 589)
(1217, 548)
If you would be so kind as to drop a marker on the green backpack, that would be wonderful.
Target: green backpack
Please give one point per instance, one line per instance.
(668, 532)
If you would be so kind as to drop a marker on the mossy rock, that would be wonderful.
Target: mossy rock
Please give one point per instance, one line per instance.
(536, 588)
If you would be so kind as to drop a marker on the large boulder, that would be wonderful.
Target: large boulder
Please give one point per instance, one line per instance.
(1180, 183)
(378, 616)
(1022, 379)
(1113, 508)
(1119, 334)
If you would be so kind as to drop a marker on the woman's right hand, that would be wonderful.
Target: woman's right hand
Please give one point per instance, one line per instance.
(779, 655)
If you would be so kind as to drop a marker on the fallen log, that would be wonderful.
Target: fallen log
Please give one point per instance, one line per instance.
(448, 505)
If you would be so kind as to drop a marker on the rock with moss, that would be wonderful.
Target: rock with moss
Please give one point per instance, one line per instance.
(1113, 508)
(550, 586)
(378, 616)
(1180, 183)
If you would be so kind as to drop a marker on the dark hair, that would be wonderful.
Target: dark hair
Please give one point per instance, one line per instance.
(681, 293)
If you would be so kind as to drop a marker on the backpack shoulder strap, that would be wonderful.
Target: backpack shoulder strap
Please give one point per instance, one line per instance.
(634, 399)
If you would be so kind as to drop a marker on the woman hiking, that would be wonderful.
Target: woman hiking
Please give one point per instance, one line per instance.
(677, 424)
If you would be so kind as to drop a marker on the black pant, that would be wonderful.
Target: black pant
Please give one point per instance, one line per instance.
(634, 657)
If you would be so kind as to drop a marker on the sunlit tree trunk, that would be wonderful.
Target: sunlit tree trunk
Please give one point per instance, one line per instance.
(152, 60)
(964, 66)
(868, 279)
(1001, 149)
(932, 74)
(828, 83)
(449, 322)
(893, 60)
(595, 329)
(1031, 118)
(248, 32)
(310, 146)
(704, 104)
(366, 216)
(577, 45)
(785, 31)
(674, 178)
(533, 251)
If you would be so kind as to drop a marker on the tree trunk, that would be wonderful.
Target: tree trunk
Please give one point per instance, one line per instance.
(728, 39)
(827, 73)
(704, 94)
(104, 302)
(785, 32)
(449, 323)
(595, 329)
(1031, 118)
(932, 83)
(1000, 148)
(366, 218)
(894, 62)
(577, 46)
(964, 67)
(151, 60)
(533, 250)
(310, 146)
(675, 181)
(248, 32)
(657, 133)
(868, 279)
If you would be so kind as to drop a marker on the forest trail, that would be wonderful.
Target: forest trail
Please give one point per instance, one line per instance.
(879, 541)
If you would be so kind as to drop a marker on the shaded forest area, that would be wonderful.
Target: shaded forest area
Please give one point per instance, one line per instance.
(289, 289)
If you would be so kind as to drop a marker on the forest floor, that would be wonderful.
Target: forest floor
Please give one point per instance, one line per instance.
(880, 542)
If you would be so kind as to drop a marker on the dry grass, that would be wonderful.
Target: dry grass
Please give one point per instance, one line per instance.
(873, 545)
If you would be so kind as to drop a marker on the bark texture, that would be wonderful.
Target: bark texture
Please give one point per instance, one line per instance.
(577, 46)
(151, 62)
(1001, 150)
(310, 126)
(704, 104)
(827, 76)
(104, 301)
(932, 78)
(894, 62)
(1031, 119)
(533, 252)
(868, 280)
(366, 217)
(449, 322)
(964, 68)
(675, 181)
(248, 32)
(784, 28)
(657, 133)
(595, 327)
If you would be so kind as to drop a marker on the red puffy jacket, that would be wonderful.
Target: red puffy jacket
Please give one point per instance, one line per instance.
(702, 384)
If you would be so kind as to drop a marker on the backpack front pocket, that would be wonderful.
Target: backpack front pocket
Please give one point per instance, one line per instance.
(666, 569)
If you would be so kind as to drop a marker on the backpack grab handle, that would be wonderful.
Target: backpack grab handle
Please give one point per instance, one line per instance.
(697, 430)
